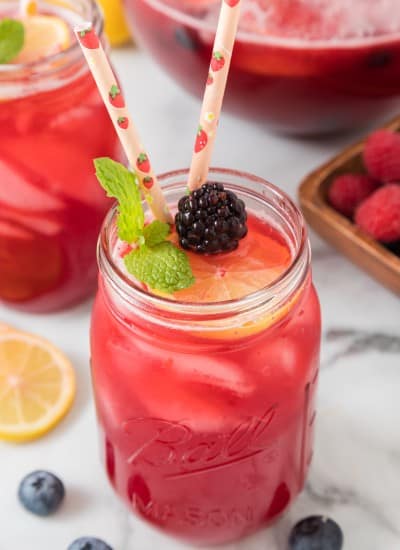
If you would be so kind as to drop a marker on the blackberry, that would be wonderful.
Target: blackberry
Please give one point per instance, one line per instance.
(211, 220)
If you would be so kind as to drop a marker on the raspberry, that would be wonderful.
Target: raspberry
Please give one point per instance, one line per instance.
(379, 215)
(349, 190)
(211, 220)
(382, 156)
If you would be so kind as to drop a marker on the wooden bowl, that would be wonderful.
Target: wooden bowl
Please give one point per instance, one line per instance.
(344, 235)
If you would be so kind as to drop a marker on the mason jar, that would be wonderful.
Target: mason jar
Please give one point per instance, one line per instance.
(52, 125)
(206, 411)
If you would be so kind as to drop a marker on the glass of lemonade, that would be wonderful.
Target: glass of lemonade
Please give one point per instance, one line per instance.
(299, 66)
(206, 398)
(52, 124)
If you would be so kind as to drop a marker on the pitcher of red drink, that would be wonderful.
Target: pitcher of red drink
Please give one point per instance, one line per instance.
(299, 66)
(52, 124)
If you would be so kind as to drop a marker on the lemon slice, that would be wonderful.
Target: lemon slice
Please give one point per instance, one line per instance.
(45, 35)
(37, 386)
(116, 27)
(260, 260)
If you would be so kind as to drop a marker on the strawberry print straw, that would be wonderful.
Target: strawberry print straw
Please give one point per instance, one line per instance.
(123, 124)
(214, 92)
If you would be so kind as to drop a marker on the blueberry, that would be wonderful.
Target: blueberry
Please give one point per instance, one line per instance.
(41, 492)
(88, 543)
(186, 38)
(316, 533)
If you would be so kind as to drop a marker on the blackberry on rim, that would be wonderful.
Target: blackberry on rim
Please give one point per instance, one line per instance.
(211, 220)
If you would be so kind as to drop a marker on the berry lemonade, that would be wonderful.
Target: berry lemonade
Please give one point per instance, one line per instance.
(299, 66)
(52, 124)
(205, 396)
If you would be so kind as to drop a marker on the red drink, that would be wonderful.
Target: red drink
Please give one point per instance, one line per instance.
(52, 124)
(206, 410)
(299, 66)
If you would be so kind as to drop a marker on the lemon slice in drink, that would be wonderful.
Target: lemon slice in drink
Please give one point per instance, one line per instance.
(37, 385)
(45, 35)
(261, 258)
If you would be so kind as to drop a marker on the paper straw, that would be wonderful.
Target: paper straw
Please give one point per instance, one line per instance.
(214, 92)
(123, 124)
(28, 7)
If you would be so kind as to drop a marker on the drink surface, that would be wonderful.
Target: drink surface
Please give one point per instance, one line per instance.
(307, 20)
(208, 436)
(51, 207)
(233, 275)
(351, 78)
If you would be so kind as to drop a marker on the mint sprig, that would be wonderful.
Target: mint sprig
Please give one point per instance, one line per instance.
(154, 261)
(121, 184)
(12, 37)
(155, 233)
(163, 267)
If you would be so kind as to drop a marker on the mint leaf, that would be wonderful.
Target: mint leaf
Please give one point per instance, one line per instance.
(155, 233)
(155, 261)
(12, 36)
(162, 267)
(122, 184)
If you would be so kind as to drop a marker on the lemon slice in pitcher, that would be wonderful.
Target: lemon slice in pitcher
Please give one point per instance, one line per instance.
(45, 35)
(37, 386)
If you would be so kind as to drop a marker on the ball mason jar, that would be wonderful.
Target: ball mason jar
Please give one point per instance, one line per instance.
(206, 411)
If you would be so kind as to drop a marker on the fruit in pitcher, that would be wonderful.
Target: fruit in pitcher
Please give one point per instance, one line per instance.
(349, 190)
(379, 215)
(143, 163)
(41, 493)
(232, 3)
(45, 35)
(187, 39)
(211, 220)
(201, 140)
(217, 61)
(89, 39)
(116, 98)
(210, 79)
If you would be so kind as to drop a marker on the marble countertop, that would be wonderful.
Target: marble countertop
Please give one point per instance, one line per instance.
(355, 475)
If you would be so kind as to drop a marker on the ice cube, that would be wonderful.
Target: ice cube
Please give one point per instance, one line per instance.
(23, 189)
(8, 230)
(207, 370)
(66, 167)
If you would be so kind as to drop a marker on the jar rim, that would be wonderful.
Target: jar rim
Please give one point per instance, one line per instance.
(48, 65)
(290, 280)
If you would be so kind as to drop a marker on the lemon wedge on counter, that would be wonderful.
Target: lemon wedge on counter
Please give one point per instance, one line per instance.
(37, 385)
(115, 24)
